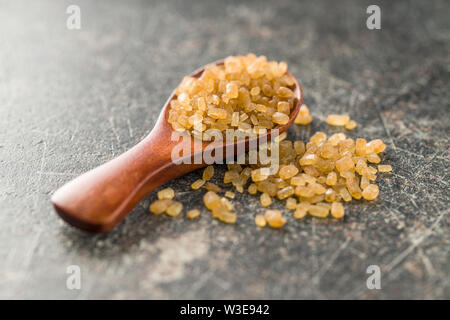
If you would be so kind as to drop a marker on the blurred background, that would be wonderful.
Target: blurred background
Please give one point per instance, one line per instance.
(72, 99)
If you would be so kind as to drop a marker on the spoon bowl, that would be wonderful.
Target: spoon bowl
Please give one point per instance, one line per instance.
(101, 198)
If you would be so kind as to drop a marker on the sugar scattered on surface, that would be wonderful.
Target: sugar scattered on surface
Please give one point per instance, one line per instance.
(192, 214)
(303, 117)
(197, 184)
(174, 208)
(384, 168)
(260, 221)
(251, 93)
(274, 218)
(208, 173)
(167, 193)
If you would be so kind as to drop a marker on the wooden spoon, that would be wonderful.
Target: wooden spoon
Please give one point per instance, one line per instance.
(100, 198)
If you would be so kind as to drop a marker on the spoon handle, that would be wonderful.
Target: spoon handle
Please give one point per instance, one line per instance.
(99, 199)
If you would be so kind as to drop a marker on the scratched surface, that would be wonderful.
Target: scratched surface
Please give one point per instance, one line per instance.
(71, 100)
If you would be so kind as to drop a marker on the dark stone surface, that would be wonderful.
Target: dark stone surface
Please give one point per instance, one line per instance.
(71, 100)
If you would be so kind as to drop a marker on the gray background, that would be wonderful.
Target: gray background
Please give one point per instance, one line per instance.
(71, 100)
